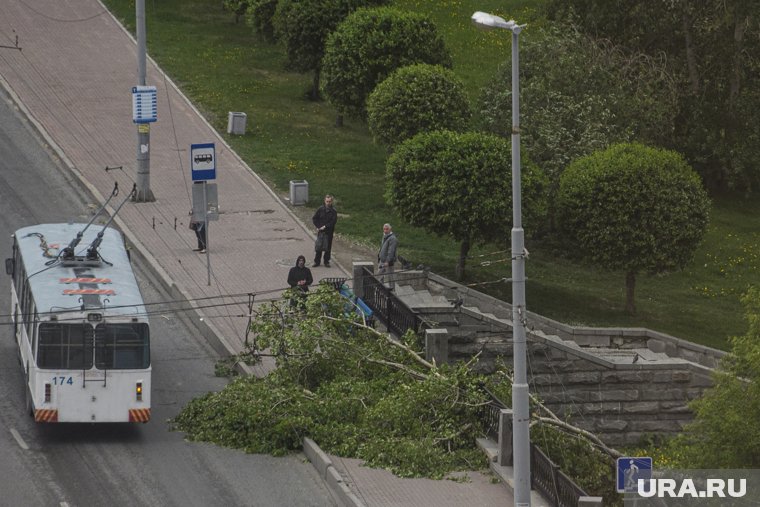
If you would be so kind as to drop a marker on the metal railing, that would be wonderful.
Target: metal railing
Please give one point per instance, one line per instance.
(490, 415)
(545, 476)
(388, 308)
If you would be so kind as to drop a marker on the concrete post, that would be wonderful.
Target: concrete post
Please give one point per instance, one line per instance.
(437, 346)
(359, 277)
(144, 193)
(505, 438)
(590, 501)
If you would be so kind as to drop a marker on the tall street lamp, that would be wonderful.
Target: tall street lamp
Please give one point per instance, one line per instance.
(520, 407)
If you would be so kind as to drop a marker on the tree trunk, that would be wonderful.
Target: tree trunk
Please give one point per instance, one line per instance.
(314, 93)
(630, 287)
(691, 58)
(464, 249)
(740, 27)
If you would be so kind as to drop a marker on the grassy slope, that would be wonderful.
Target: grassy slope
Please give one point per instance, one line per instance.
(223, 67)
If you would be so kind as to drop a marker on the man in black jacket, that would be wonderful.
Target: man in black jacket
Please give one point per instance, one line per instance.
(324, 220)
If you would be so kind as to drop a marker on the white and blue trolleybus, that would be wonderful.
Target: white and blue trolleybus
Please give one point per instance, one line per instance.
(80, 325)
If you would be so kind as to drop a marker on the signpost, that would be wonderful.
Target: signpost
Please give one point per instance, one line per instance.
(144, 112)
(203, 169)
(144, 104)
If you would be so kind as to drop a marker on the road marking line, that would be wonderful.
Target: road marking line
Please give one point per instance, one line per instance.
(20, 440)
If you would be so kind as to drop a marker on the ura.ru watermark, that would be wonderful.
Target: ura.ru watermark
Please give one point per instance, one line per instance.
(688, 488)
(643, 485)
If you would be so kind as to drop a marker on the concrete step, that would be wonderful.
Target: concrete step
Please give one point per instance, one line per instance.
(421, 298)
(404, 290)
(412, 300)
(489, 447)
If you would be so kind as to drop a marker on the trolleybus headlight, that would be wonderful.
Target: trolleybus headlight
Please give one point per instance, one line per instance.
(138, 391)
(48, 392)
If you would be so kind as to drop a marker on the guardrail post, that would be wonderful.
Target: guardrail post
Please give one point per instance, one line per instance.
(505, 438)
(590, 501)
(358, 272)
(437, 346)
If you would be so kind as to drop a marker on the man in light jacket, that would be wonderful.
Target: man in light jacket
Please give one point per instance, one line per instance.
(386, 257)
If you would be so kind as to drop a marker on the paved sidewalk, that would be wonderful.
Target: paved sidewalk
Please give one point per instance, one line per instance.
(73, 78)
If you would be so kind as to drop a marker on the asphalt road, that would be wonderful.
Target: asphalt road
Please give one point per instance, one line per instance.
(93, 465)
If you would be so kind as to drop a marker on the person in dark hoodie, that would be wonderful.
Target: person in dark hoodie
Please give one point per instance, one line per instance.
(300, 277)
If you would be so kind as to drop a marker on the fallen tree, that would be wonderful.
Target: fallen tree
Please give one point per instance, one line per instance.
(362, 393)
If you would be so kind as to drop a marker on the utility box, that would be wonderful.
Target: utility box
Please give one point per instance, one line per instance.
(236, 123)
(299, 192)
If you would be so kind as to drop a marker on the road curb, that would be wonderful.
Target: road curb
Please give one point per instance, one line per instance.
(212, 335)
(169, 82)
(332, 477)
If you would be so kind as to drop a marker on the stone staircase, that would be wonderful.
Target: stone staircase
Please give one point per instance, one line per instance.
(420, 299)
(468, 320)
(619, 383)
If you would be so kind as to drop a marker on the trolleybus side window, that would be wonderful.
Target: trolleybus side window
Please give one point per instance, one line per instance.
(18, 268)
(34, 329)
(22, 286)
(122, 346)
(64, 346)
(27, 305)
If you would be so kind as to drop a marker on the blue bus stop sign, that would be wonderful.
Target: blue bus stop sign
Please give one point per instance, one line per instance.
(203, 162)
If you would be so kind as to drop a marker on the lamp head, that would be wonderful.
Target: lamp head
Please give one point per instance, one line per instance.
(490, 21)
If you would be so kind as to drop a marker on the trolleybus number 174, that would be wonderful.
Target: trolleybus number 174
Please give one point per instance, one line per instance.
(80, 323)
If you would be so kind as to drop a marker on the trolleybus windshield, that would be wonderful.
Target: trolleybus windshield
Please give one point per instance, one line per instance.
(117, 346)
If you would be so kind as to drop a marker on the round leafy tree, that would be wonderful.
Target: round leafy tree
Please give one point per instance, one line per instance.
(460, 185)
(370, 44)
(623, 98)
(260, 16)
(417, 98)
(633, 208)
(303, 25)
(238, 7)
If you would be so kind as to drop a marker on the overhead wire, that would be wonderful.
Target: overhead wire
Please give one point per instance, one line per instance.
(240, 302)
(88, 150)
(61, 20)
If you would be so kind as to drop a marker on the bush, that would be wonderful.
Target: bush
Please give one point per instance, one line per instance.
(726, 428)
(417, 98)
(370, 44)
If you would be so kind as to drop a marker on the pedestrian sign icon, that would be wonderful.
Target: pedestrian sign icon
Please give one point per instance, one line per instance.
(630, 470)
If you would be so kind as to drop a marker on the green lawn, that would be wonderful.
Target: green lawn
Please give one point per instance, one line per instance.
(223, 67)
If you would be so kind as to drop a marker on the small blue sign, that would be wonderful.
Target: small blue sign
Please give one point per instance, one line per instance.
(630, 470)
(144, 104)
(203, 161)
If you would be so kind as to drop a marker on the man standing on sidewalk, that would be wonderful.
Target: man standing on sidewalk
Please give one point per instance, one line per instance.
(324, 220)
(386, 257)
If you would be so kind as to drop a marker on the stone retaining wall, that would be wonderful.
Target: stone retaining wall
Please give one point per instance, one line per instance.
(620, 402)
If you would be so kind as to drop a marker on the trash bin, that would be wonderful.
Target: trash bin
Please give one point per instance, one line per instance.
(299, 192)
(236, 123)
